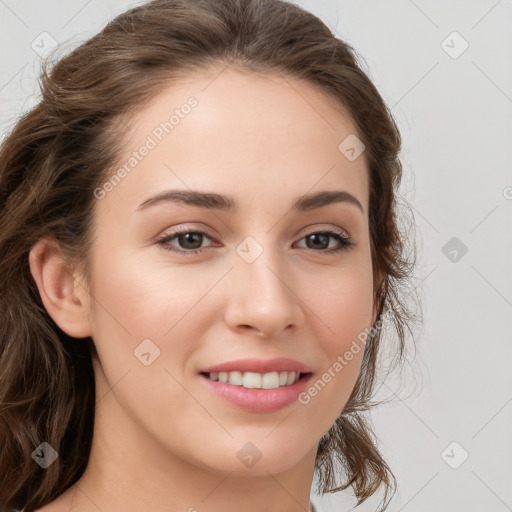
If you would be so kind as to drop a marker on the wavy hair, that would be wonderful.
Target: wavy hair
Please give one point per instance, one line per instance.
(60, 150)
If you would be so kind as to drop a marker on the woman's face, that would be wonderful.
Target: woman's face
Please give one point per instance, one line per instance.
(256, 295)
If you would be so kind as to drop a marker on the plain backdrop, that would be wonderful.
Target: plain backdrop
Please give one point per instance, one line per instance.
(444, 68)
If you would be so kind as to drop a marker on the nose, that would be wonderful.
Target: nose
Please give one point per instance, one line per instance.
(261, 298)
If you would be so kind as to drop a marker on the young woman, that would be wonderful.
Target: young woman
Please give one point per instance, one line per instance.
(199, 250)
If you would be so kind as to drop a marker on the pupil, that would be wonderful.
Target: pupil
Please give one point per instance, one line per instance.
(191, 235)
(315, 237)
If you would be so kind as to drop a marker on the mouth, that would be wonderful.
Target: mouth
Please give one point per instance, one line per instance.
(253, 380)
(255, 398)
(258, 385)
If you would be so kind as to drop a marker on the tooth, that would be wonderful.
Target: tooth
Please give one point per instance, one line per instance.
(235, 378)
(270, 380)
(251, 380)
(290, 380)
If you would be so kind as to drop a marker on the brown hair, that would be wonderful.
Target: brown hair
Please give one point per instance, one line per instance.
(62, 149)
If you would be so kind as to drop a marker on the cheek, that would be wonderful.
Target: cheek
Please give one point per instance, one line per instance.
(143, 307)
(141, 297)
(344, 308)
(343, 304)
(135, 302)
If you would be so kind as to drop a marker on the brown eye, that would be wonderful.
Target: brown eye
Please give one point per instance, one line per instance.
(319, 241)
(189, 241)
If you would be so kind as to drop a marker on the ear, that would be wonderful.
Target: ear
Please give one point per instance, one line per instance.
(63, 295)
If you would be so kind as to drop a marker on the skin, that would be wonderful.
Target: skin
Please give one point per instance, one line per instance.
(163, 441)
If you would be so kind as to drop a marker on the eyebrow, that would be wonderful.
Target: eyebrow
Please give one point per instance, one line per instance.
(226, 203)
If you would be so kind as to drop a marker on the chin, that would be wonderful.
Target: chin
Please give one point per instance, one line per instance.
(257, 456)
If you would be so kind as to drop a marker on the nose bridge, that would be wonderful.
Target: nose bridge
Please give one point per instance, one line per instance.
(261, 296)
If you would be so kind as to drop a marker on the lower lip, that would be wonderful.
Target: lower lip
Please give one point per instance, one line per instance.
(255, 399)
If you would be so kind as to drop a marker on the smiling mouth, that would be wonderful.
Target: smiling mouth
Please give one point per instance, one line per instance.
(252, 380)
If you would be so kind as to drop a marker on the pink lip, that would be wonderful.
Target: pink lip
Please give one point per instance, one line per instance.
(279, 364)
(258, 400)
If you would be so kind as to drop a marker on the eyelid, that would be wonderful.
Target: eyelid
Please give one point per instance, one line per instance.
(314, 228)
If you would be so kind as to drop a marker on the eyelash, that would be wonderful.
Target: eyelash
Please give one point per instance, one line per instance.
(345, 241)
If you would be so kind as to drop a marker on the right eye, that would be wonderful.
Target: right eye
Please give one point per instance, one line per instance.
(185, 237)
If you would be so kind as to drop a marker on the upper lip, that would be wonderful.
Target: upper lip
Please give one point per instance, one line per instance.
(280, 364)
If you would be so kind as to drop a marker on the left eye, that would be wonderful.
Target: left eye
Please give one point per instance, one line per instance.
(191, 241)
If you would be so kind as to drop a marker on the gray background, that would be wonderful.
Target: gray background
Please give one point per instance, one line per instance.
(454, 111)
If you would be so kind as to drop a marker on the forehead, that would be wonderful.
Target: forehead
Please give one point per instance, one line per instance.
(249, 135)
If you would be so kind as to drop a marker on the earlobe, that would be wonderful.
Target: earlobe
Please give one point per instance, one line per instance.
(66, 301)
